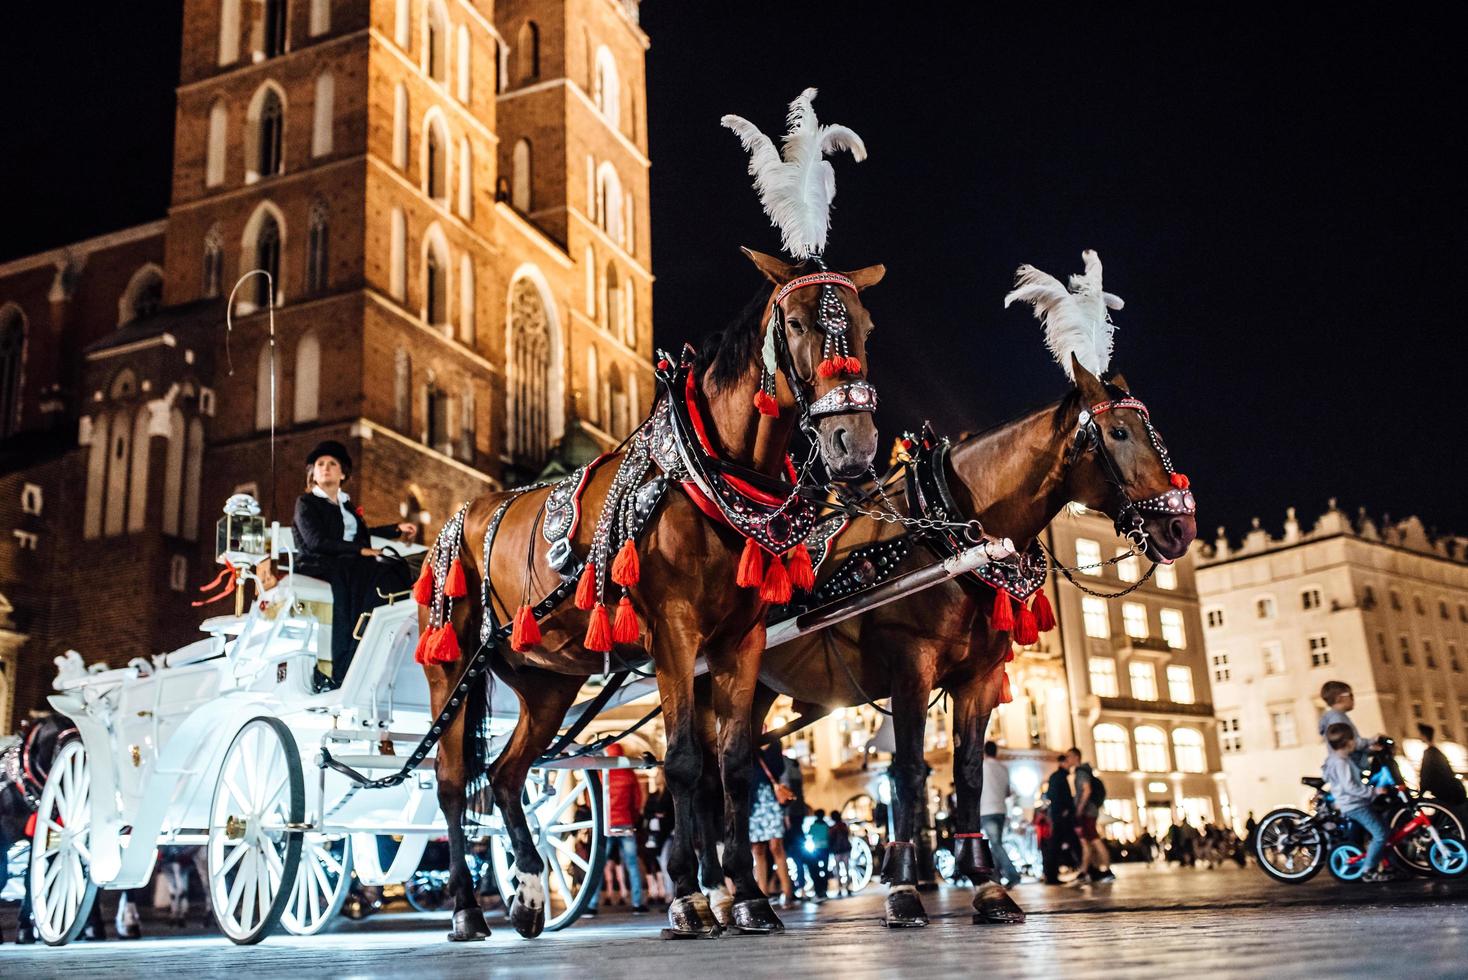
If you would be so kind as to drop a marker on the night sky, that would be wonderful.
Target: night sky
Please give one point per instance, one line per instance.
(1279, 199)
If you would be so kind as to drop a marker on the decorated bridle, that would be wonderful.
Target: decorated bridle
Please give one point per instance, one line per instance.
(1131, 515)
(832, 319)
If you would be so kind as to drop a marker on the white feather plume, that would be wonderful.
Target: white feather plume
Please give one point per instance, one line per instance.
(797, 185)
(1076, 320)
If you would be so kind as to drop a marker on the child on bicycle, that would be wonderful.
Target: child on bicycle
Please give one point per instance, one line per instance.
(1339, 699)
(1351, 796)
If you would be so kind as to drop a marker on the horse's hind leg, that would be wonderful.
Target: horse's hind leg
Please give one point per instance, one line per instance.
(709, 801)
(911, 688)
(971, 707)
(540, 720)
(451, 769)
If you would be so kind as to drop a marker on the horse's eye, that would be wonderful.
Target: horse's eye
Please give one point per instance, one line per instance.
(795, 324)
(1119, 433)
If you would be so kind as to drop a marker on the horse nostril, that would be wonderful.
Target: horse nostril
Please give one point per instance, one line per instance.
(838, 437)
(1176, 529)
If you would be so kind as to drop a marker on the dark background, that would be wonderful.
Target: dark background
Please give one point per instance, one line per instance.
(1278, 197)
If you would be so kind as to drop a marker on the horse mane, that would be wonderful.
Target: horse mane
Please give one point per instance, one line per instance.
(733, 350)
(1059, 416)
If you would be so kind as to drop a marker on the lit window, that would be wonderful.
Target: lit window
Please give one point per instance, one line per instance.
(1215, 618)
(1151, 748)
(1098, 619)
(1310, 599)
(1134, 618)
(1282, 721)
(1264, 607)
(1221, 670)
(1112, 754)
(1166, 576)
(1320, 650)
(1103, 677)
(1172, 628)
(1128, 569)
(1187, 749)
(1088, 556)
(1230, 734)
(1180, 683)
(1274, 662)
(1144, 681)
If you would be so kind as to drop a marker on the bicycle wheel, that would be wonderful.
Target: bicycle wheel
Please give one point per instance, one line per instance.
(1346, 864)
(1288, 846)
(1415, 849)
(1449, 857)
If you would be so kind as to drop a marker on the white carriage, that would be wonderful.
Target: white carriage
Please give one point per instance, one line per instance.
(218, 744)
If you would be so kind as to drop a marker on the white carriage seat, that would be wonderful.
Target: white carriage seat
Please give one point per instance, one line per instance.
(196, 652)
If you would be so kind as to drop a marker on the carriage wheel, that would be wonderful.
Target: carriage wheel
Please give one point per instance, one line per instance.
(322, 883)
(564, 810)
(62, 890)
(859, 865)
(253, 852)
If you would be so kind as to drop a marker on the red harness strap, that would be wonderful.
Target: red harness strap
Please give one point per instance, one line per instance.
(692, 489)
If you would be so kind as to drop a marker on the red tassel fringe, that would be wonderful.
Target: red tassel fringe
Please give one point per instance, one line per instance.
(765, 403)
(586, 588)
(454, 585)
(420, 652)
(440, 646)
(625, 627)
(1002, 618)
(802, 573)
(831, 367)
(626, 569)
(526, 631)
(1025, 631)
(853, 366)
(1180, 481)
(599, 630)
(751, 574)
(423, 588)
(1044, 614)
(776, 587)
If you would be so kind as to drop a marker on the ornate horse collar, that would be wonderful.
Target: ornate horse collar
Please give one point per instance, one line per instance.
(1131, 514)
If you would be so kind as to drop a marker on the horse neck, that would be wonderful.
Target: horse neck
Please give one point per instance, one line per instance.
(1013, 479)
(739, 433)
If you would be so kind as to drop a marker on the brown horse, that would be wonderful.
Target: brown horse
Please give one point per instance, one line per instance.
(686, 598)
(1013, 479)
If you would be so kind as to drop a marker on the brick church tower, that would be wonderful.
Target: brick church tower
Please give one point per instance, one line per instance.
(451, 198)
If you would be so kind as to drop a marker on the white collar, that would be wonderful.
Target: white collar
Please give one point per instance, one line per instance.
(342, 495)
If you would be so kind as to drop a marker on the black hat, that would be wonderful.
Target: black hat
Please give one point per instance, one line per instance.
(335, 450)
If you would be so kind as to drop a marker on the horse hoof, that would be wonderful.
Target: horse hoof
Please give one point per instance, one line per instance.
(469, 927)
(527, 920)
(755, 915)
(721, 905)
(904, 909)
(690, 917)
(993, 906)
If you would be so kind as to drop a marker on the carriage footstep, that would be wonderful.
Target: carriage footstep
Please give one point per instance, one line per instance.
(993, 906)
(904, 909)
(755, 915)
(469, 927)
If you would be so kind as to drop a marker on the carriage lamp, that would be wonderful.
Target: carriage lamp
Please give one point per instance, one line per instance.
(239, 537)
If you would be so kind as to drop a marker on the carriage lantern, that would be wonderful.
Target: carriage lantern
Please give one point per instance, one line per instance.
(240, 534)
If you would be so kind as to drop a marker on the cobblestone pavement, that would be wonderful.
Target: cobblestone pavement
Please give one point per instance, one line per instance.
(1150, 923)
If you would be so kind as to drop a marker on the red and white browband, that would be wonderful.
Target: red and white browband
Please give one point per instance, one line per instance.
(1107, 406)
(823, 278)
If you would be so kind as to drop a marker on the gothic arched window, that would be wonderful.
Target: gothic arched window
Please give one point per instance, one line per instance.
(273, 23)
(613, 302)
(402, 390)
(143, 295)
(308, 379)
(269, 129)
(527, 51)
(267, 257)
(435, 279)
(213, 262)
(323, 113)
(435, 159)
(436, 53)
(316, 250)
(218, 136)
(520, 177)
(607, 91)
(530, 379)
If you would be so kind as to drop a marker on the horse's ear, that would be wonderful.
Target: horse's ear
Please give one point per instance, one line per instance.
(869, 276)
(1087, 383)
(1117, 380)
(774, 270)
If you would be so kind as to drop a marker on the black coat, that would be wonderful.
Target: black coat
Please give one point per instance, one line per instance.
(318, 531)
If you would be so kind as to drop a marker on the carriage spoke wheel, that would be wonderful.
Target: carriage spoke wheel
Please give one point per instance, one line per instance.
(322, 883)
(62, 891)
(859, 865)
(563, 808)
(253, 852)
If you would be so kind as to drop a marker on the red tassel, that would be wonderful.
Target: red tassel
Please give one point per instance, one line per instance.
(853, 366)
(454, 585)
(625, 628)
(776, 587)
(1002, 618)
(443, 647)
(1180, 481)
(423, 588)
(1005, 694)
(599, 630)
(751, 572)
(526, 631)
(831, 367)
(1025, 631)
(765, 403)
(1044, 615)
(586, 588)
(626, 569)
(802, 573)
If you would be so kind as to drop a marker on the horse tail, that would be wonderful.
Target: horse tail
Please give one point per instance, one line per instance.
(477, 788)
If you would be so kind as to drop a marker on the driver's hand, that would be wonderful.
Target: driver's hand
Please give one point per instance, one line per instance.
(407, 531)
(371, 552)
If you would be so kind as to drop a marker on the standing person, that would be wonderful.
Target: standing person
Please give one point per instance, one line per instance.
(657, 827)
(816, 853)
(624, 799)
(1090, 794)
(841, 852)
(1062, 818)
(994, 812)
(767, 818)
(334, 543)
(1352, 797)
(795, 810)
(1438, 779)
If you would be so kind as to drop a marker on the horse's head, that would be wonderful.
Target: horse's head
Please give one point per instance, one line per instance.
(816, 334)
(1119, 466)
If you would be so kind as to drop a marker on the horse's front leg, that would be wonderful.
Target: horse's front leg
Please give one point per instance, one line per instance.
(709, 801)
(912, 684)
(972, 705)
(453, 777)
